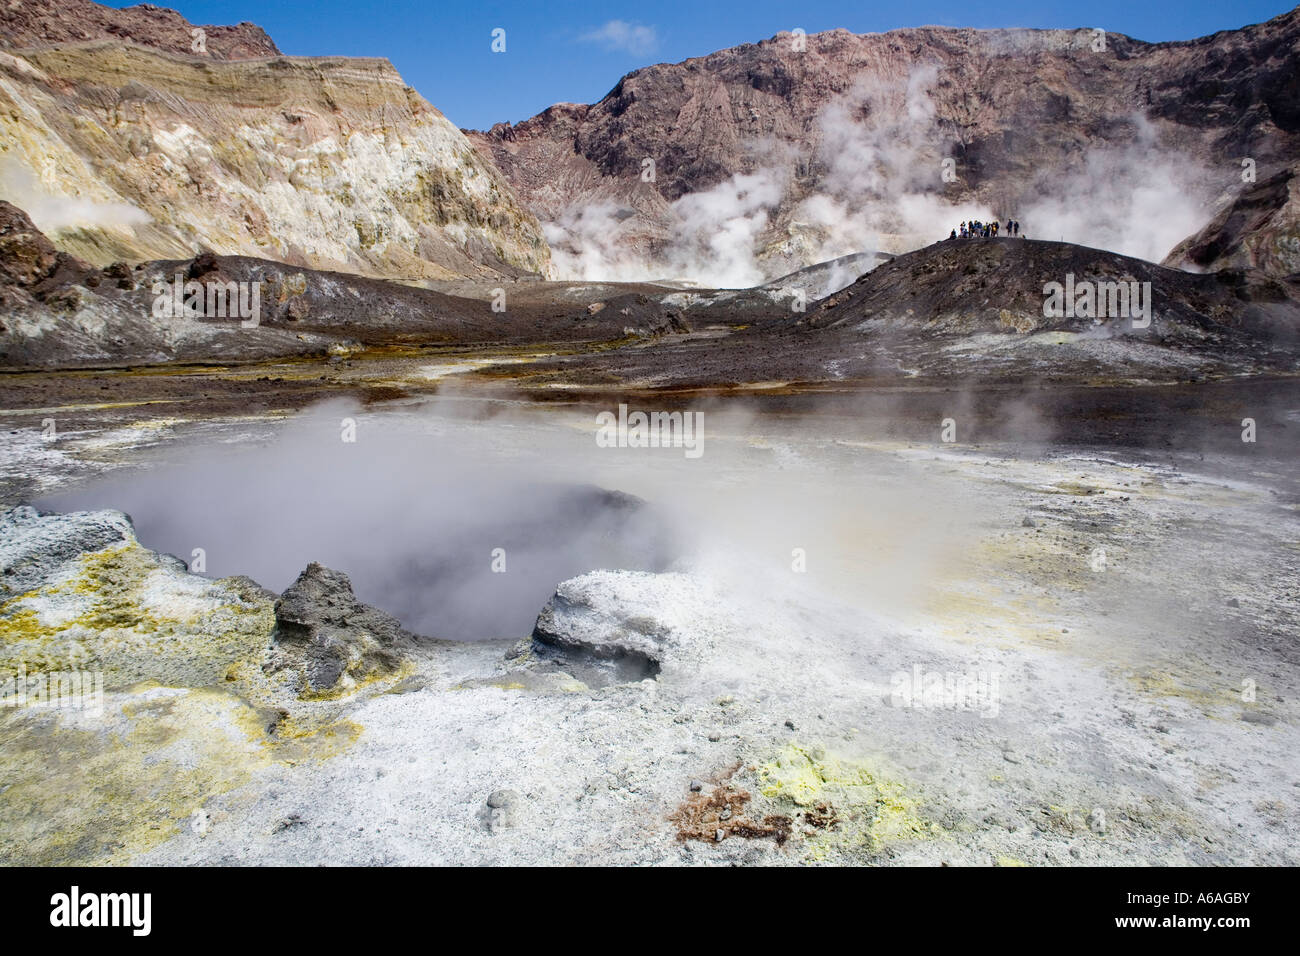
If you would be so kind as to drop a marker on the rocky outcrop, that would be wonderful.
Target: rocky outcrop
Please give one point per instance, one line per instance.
(35, 549)
(26, 255)
(859, 121)
(120, 151)
(33, 274)
(1258, 229)
(331, 639)
(80, 594)
(69, 21)
(626, 625)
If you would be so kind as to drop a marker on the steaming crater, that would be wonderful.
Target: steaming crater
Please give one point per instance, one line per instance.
(457, 542)
(822, 573)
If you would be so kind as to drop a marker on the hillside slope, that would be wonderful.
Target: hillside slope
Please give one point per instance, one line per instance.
(805, 155)
(122, 151)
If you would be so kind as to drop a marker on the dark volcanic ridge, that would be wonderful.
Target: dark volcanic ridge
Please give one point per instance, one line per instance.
(974, 307)
(971, 312)
(61, 312)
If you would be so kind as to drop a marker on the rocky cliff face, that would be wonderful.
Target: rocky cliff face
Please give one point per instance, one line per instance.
(121, 151)
(1258, 229)
(42, 24)
(761, 158)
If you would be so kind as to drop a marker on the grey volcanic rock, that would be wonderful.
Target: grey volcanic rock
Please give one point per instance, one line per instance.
(331, 638)
(622, 623)
(78, 590)
(1258, 229)
(36, 548)
(27, 24)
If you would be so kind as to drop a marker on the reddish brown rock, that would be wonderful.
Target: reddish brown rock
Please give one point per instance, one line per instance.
(24, 25)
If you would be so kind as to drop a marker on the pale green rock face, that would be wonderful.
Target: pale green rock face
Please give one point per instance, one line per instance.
(328, 163)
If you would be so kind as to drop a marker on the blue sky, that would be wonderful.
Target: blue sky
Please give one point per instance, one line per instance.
(576, 51)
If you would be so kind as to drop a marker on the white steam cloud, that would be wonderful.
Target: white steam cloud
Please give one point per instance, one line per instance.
(51, 212)
(879, 185)
(620, 35)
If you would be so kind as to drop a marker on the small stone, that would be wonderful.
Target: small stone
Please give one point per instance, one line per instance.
(1010, 756)
(1028, 522)
(297, 310)
(790, 724)
(201, 822)
(288, 823)
(1258, 717)
(719, 835)
(715, 737)
(501, 809)
(697, 786)
(725, 814)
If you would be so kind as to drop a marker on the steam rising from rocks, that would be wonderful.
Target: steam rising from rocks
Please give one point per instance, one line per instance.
(874, 180)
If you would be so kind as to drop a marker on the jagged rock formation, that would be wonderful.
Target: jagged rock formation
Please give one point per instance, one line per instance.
(1258, 229)
(861, 121)
(26, 256)
(41, 24)
(330, 638)
(124, 151)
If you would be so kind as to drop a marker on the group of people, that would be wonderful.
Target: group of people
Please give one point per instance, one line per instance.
(984, 230)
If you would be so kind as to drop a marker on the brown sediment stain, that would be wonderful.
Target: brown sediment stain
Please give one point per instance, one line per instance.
(725, 809)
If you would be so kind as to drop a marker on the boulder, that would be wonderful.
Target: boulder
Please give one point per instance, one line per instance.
(626, 624)
(333, 640)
